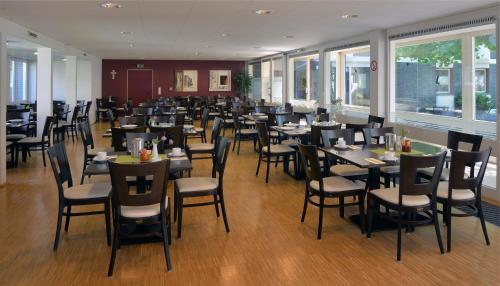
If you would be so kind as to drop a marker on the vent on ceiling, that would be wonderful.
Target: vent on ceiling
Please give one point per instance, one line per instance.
(445, 28)
(348, 46)
(32, 34)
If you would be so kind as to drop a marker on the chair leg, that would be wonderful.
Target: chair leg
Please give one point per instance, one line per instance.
(175, 204)
(448, 227)
(179, 222)
(341, 208)
(43, 155)
(223, 208)
(164, 233)
(398, 255)
(258, 164)
(320, 222)
(68, 216)
(58, 227)
(108, 222)
(369, 219)
(436, 226)
(304, 209)
(216, 204)
(113, 249)
(362, 212)
(483, 224)
(235, 140)
(239, 143)
(268, 164)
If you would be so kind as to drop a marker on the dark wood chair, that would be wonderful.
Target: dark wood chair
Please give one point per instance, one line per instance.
(321, 110)
(324, 117)
(329, 187)
(206, 149)
(85, 115)
(118, 137)
(111, 119)
(267, 151)
(243, 134)
(71, 126)
(373, 136)
(142, 111)
(79, 195)
(464, 189)
(203, 186)
(174, 136)
(36, 143)
(410, 198)
(179, 118)
(147, 209)
(201, 131)
(316, 140)
(139, 120)
(102, 108)
(227, 122)
(455, 140)
(377, 121)
(358, 129)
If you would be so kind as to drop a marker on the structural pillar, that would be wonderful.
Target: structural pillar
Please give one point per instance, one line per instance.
(43, 87)
(71, 79)
(3, 107)
(378, 92)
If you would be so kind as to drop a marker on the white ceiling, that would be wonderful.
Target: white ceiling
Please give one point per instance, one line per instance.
(192, 29)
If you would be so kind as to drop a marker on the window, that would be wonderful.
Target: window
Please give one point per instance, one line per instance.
(305, 78)
(254, 70)
(446, 79)
(18, 81)
(484, 77)
(266, 80)
(277, 80)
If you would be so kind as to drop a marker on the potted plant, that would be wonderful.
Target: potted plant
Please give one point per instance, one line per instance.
(242, 83)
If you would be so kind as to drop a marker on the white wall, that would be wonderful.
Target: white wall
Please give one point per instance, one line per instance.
(83, 80)
(32, 81)
(58, 80)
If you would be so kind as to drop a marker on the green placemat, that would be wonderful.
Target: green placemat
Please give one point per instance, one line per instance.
(382, 151)
(128, 159)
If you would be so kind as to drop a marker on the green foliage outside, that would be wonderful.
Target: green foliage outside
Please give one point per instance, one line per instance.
(243, 83)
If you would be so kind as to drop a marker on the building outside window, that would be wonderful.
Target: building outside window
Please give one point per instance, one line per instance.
(305, 79)
(18, 81)
(254, 70)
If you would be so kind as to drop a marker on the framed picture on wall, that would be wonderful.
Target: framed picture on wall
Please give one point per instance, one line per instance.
(186, 81)
(220, 80)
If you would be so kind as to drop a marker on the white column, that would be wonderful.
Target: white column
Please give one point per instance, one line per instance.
(321, 78)
(71, 81)
(378, 91)
(43, 87)
(326, 79)
(498, 100)
(284, 79)
(3, 107)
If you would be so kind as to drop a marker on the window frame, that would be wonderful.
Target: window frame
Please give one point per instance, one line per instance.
(291, 73)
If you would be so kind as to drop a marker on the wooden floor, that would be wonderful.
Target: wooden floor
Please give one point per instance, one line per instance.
(267, 244)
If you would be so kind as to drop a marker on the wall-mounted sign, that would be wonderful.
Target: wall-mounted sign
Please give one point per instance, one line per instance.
(373, 65)
(140, 66)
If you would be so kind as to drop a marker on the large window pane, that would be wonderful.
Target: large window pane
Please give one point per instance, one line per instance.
(485, 64)
(266, 81)
(429, 78)
(314, 77)
(300, 79)
(357, 78)
(255, 90)
(277, 85)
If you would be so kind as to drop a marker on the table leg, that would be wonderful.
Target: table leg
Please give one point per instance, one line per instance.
(373, 178)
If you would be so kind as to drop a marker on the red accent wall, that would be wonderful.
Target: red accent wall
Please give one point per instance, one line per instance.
(163, 76)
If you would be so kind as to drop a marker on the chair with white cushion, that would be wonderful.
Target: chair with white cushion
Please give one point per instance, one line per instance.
(463, 189)
(203, 187)
(243, 134)
(79, 195)
(317, 140)
(148, 209)
(328, 187)
(373, 136)
(411, 198)
(205, 148)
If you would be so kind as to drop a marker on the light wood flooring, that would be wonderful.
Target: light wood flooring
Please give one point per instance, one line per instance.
(267, 244)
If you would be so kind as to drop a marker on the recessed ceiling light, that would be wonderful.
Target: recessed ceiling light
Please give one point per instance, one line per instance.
(263, 12)
(110, 5)
(131, 45)
(64, 60)
(350, 16)
(35, 53)
(287, 36)
(196, 53)
(225, 35)
(126, 33)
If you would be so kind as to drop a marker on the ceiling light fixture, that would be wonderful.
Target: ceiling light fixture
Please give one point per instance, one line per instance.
(35, 53)
(126, 33)
(225, 35)
(196, 53)
(64, 60)
(131, 45)
(349, 16)
(287, 37)
(264, 12)
(110, 5)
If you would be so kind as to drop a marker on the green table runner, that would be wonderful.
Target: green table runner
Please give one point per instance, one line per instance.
(127, 159)
(417, 148)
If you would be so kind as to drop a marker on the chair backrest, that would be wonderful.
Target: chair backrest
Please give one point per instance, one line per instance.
(118, 137)
(294, 118)
(455, 138)
(146, 137)
(174, 136)
(409, 166)
(74, 116)
(124, 196)
(376, 120)
(263, 135)
(320, 110)
(358, 129)
(142, 111)
(138, 120)
(87, 108)
(316, 133)
(375, 133)
(330, 137)
(204, 118)
(309, 119)
(86, 135)
(310, 163)
(216, 128)
(111, 118)
(179, 118)
(221, 154)
(324, 117)
(60, 167)
(236, 121)
(47, 126)
(460, 160)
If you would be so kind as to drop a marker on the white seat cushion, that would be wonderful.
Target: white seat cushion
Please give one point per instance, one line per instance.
(196, 184)
(201, 147)
(391, 195)
(248, 122)
(199, 129)
(229, 121)
(31, 140)
(456, 194)
(141, 211)
(88, 191)
(278, 149)
(274, 134)
(347, 170)
(445, 175)
(337, 184)
(214, 114)
(290, 142)
(249, 131)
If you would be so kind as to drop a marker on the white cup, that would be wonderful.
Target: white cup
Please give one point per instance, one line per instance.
(101, 155)
(341, 142)
(389, 155)
(176, 151)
